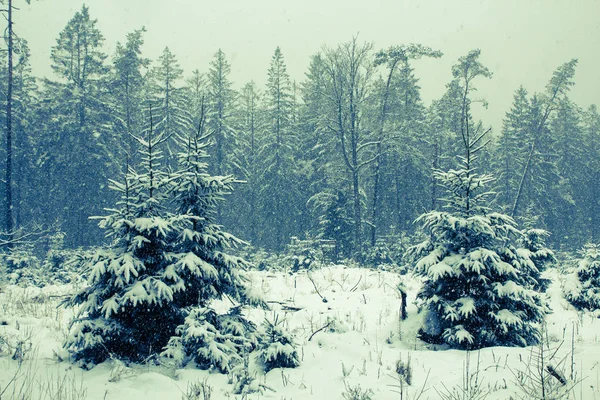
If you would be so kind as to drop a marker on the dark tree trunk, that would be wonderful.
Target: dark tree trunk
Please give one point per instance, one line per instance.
(8, 177)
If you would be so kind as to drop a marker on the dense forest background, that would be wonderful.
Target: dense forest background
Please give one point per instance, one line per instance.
(346, 154)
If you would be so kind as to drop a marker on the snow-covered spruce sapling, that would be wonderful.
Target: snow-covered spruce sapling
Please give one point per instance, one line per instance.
(277, 348)
(128, 309)
(244, 381)
(159, 263)
(582, 288)
(477, 288)
(212, 340)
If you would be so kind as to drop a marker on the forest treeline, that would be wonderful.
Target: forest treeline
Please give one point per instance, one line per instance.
(346, 154)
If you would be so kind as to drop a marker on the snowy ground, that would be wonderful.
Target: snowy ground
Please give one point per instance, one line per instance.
(361, 346)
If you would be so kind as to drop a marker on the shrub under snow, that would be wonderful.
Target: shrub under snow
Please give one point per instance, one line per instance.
(582, 288)
(277, 349)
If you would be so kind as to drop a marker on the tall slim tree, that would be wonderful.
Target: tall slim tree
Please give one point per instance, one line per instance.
(278, 153)
(10, 39)
(317, 146)
(222, 101)
(394, 58)
(23, 109)
(79, 136)
(174, 117)
(349, 69)
(196, 98)
(591, 204)
(127, 84)
(511, 155)
(248, 163)
(559, 85)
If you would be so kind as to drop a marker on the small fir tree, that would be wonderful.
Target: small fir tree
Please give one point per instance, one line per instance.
(478, 287)
(128, 309)
(160, 264)
(277, 349)
(475, 292)
(582, 289)
(336, 224)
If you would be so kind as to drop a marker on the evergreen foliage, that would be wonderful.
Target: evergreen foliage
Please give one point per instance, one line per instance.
(343, 127)
(277, 349)
(174, 118)
(534, 241)
(127, 82)
(79, 118)
(278, 186)
(336, 224)
(582, 289)
(212, 340)
(476, 291)
(220, 112)
(159, 263)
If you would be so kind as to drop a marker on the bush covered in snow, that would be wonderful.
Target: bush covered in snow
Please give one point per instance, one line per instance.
(478, 286)
(22, 267)
(212, 340)
(277, 349)
(582, 288)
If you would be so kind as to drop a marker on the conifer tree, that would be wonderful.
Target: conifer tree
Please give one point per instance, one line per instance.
(278, 152)
(543, 107)
(316, 148)
(510, 152)
(534, 241)
(591, 203)
(336, 224)
(174, 118)
(159, 263)
(24, 184)
(222, 102)
(582, 289)
(130, 308)
(127, 89)
(196, 98)
(478, 287)
(203, 267)
(249, 166)
(80, 120)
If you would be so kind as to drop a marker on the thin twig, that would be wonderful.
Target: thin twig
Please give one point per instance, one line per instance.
(355, 286)
(315, 286)
(319, 330)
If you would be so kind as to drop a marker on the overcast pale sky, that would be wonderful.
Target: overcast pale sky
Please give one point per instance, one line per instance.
(522, 41)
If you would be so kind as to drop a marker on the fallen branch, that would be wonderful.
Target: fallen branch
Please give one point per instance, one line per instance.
(285, 306)
(291, 308)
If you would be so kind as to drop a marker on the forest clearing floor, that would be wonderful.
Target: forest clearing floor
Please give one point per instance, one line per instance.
(352, 339)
